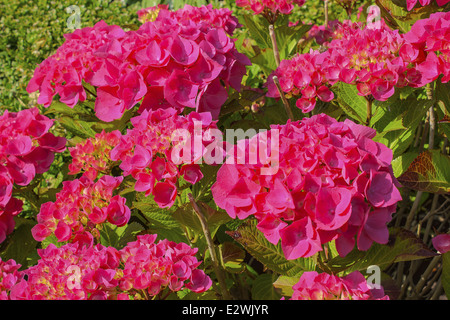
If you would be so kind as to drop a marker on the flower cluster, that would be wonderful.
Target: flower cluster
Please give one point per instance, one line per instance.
(148, 151)
(274, 7)
(27, 148)
(7, 214)
(72, 272)
(206, 17)
(428, 47)
(368, 58)
(152, 266)
(333, 183)
(410, 4)
(9, 276)
(63, 73)
(80, 209)
(308, 76)
(179, 59)
(92, 155)
(80, 272)
(324, 286)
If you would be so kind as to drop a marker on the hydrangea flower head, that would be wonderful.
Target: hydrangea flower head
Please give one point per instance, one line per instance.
(27, 148)
(80, 209)
(145, 151)
(92, 155)
(184, 59)
(324, 286)
(83, 271)
(334, 183)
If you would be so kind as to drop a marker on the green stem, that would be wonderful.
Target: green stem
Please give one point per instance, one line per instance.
(286, 105)
(273, 37)
(369, 110)
(212, 251)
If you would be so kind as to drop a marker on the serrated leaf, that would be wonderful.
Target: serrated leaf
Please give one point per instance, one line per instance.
(353, 104)
(429, 172)
(185, 216)
(288, 37)
(284, 285)
(80, 128)
(158, 217)
(263, 288)
(403, 245)
(258, 30)
(118, 237)
(232, 257)
(268, 254)
(401, 163)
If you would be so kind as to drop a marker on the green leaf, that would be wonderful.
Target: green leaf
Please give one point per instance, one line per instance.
(263, 288)
(258, 30)
(79, 128)
(288, 37)
(232, 257)
(118, 237)
(159, 221)
(21, 244)
(429, 172)
(403, 245)
(265, 59)
(186, 216)
(268, 254)
(446, 273)
(284, 285)
(353, 104)
(401, 163)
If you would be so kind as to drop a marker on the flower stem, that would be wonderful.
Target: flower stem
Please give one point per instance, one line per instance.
(212, 251)
(276, 52)
(369, 110)
(287, 107)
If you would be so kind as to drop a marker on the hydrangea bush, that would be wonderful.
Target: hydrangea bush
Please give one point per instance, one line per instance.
(234, 152)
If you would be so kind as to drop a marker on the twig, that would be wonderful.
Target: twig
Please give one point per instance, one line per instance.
(426, 274)
(287, 107)
(325, 7)
(413, 210)
(276, 52)
(212, 251)
(369, 110)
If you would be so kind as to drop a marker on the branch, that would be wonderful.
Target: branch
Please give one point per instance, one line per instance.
(212, 251)
(273, 37)
(287, 107)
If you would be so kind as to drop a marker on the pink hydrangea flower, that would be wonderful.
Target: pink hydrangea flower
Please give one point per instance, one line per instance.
(324, 286)
(27, 148)
(92, 155)
(146, 151)
(152, 266)
(334, 183)
(428, 47)
(441, 243)
(83, 271)
(183, 59)
(375, 60)
(81, 207)
(410, 4)
(274, 7)
(9, 276)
